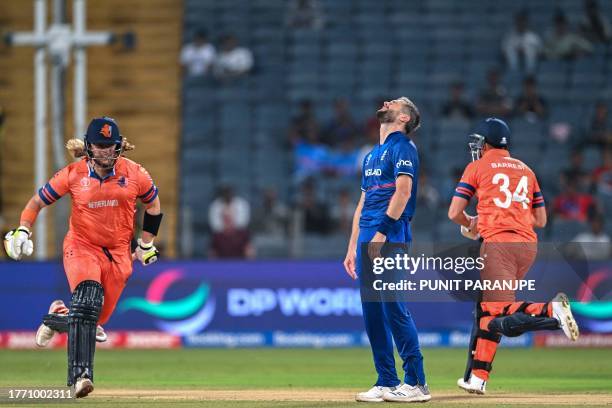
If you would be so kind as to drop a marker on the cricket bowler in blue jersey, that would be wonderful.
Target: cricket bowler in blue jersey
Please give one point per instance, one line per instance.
(385, 209)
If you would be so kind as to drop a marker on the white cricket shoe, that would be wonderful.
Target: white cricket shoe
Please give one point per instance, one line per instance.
(563, 313)
(374, 394)
(475, 385)
(83, 387)
(44, 334)
(101, 336)
(408, 393)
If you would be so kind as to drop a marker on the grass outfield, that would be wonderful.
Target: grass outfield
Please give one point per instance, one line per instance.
(221, 377)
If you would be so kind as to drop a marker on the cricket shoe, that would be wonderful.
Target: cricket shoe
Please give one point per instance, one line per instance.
(83, 387)
(44, 334)
(101, 336)
(374, 394)
(475, 385)
(563, 313)
(408, 393)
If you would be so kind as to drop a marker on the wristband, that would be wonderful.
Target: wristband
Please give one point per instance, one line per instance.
(150, 223)
(386, 225)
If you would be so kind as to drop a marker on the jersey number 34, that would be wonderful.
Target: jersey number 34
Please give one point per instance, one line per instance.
(519, 195)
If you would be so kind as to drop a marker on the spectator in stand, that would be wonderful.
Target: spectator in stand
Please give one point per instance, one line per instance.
(574, 205)
(304, 123)
(457, 107)
(599, 132)
(233, 60)
(271, 217)
(596, 242)
(562, 43)
(576, 172)
(521, 44)
(315, 212)
(229, 217)
(530, 104)
(594, 26)
(493, 99)
(228, 207)
(304, 14)
(198, 56)
(602, 175)
(341, 129)
(231, 242)
(342, 211)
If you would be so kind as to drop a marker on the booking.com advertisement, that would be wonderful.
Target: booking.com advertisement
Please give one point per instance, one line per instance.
(308, 303)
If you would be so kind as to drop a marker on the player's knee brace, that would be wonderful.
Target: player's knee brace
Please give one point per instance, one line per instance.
(85, 308)
(518, 323)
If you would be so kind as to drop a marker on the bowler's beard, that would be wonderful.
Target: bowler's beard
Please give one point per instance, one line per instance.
(386, 116)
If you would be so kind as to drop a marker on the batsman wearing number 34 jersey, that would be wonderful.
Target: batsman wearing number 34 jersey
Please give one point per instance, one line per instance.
(510, 206)
(104, 187)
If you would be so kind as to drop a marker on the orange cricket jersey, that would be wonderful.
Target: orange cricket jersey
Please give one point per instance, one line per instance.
(102, 209)
(507, 190)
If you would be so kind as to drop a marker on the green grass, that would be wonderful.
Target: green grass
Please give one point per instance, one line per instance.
(529, 370)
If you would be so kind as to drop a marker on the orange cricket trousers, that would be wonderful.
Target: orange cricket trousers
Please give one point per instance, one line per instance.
(504, 260)
(109, 267)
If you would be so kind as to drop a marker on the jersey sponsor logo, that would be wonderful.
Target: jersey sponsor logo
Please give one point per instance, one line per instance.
(103, 203)
(403, 163)
(373, 172)
(106, 131)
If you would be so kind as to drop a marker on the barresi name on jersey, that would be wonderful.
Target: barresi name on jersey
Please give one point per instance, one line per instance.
(103, 203)
(517, 166)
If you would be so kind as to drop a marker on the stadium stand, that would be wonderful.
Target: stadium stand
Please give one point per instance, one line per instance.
(367, 50)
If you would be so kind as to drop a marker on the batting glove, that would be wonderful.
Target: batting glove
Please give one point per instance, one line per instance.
(467, 231)
(17, 243)
(146, 253)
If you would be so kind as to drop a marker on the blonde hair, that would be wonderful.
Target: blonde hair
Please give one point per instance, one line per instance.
(76, 147)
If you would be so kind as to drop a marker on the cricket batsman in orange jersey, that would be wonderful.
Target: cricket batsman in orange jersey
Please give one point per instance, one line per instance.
(510, 206)
(104, 187)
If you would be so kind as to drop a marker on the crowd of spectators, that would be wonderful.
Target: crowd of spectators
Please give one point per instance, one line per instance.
(200, 57)
(334, 148)
(522, 46)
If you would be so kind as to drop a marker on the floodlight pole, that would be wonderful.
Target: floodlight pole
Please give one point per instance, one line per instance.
(57, 42)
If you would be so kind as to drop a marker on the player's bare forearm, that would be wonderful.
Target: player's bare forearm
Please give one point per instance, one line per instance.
(34, 205)
(539, 217)
(399, 200)
(154, 207)
(456, 211)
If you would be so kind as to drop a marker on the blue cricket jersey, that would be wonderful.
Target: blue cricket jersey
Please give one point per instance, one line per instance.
(381, 167)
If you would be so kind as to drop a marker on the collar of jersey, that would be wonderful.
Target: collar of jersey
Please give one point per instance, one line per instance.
(93, 174)
(498, 152)
(392, 136)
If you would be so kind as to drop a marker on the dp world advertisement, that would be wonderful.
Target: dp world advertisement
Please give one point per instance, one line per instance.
(257, 304)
